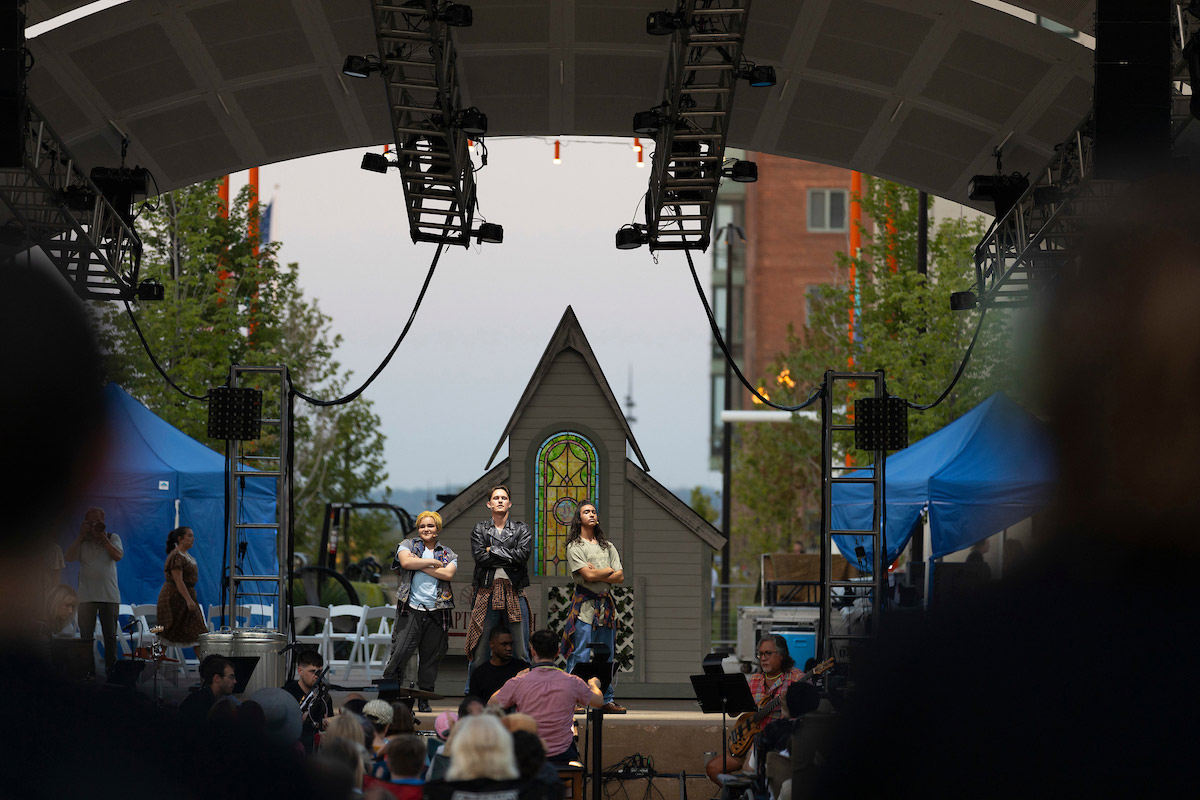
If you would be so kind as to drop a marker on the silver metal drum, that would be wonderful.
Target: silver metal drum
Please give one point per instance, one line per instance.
(262, 642)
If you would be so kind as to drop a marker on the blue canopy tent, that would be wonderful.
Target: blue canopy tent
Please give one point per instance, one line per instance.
(154, 471)
(989, 469)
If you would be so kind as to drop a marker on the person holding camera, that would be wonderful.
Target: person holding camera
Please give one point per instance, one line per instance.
(98, 550)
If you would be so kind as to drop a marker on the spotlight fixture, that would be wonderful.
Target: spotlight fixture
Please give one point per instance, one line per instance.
(647, 123)
(150, 289)
(759, 76)
(456, 15)
(963, 301)
(377, 162)
(1002, 190)
(742, 171)
(663, 23)
(472, 121)
(490, 233)
(360, 66)
(632, 236)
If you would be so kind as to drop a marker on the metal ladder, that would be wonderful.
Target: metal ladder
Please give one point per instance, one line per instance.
(830, 644)
(274, 463)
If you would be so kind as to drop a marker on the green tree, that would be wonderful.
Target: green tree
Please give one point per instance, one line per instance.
(703, 506)
(228, 302)
(903, 325)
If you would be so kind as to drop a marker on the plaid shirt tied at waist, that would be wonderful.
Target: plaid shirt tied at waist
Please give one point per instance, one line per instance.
(499, 596)
(605, 612)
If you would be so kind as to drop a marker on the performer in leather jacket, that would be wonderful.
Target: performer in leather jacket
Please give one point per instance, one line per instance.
(501, 549)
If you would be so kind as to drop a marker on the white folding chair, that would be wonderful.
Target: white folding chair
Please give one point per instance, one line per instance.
(124, 617)
(375, 632)
(146, 615)
(320, 635)
(349, 614)
(259, 615)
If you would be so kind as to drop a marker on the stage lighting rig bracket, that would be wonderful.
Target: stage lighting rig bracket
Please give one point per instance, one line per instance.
(418, 62)
(691, 124)
(66, 214)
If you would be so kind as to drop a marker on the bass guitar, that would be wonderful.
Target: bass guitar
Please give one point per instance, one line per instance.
(750, 723)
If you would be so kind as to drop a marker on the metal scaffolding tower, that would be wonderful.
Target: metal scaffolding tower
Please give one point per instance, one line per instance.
(689, 149)
(269, 461)
(418, 62)
(62, 211)
(873, 594)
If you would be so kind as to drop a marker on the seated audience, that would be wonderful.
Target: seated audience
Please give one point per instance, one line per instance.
(539, 778)
(218, 679)
(405, 755)
(549, 695)
(482, 763)
(488, 677)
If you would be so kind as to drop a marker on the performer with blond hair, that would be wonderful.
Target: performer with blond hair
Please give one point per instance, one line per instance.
(424, 603)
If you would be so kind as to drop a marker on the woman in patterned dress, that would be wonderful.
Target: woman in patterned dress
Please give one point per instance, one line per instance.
(178, 612)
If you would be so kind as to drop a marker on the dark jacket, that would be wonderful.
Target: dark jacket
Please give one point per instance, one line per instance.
(445, 594)
(510, 548)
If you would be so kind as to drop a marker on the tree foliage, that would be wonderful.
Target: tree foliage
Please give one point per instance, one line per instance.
(227, 302)
(903, 325)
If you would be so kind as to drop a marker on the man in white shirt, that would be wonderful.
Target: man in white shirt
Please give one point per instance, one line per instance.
(98, 550)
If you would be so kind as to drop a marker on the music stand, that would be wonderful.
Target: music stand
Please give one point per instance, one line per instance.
(601, 668)
(727, 695)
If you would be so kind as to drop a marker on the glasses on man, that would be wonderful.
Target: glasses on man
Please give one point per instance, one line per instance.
(767, 653)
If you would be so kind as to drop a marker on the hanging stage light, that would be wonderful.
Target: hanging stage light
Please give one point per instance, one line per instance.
(631, 236)
(360, 66)
(758, 76)
(490, 233)
(663, 23)
(742, 171)
(647, 123)
(376, 162)
(472, 121)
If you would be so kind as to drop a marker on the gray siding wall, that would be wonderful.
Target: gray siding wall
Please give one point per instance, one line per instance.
(674, 603)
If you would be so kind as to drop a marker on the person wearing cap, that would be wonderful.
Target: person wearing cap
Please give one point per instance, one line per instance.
(379, 714)
(424, 603)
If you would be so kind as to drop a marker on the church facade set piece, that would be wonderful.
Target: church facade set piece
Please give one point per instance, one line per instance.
(567, 442)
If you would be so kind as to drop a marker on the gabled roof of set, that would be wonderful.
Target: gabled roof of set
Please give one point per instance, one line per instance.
(569, 336)
(476, 493)
(678, 509)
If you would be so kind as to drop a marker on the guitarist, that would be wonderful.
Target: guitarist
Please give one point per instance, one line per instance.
(777, 671)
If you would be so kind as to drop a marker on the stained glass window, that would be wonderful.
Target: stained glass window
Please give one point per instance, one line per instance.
(568, 472)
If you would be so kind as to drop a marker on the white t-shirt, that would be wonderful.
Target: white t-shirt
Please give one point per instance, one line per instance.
(98, 572)
(579, 554)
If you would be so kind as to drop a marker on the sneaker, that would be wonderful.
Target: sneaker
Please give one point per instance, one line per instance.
(613, 708)
(423, 706)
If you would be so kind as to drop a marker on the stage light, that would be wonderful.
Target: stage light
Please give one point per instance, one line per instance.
(963, 301)
(489, 233)
(456, 15)
(376, 162)
(637, 144)
(360, 66)
(557, 152)
(150, 289)
(472, 121)
(1002, 190)
(631, 236)
(647, 123)
(760, 76)
(663, 23)
(742, 171)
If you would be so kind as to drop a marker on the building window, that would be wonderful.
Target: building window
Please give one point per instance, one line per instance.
(827, 210)
(568, 473)
(718, 405)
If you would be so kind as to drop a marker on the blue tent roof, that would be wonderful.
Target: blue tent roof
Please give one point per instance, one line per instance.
(989, 469)
(151, 467)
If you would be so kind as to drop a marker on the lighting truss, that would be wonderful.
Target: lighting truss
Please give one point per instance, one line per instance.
(705, 61)
(418, 62)
(62, 211)
(1024, 251)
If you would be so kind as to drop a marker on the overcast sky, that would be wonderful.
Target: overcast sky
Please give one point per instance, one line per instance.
(489, 312)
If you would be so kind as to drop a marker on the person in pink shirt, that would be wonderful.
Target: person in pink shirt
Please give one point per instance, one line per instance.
(549, 695)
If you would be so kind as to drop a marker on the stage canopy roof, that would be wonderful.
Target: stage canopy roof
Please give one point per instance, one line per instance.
(990, 468)
(155, 472)
(916, 91)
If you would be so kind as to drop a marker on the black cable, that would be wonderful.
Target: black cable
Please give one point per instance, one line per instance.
(154, 361)
(347, 398)
(961, 367)
(716, 329)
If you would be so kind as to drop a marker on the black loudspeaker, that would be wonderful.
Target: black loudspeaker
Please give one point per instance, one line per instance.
(1132, 92)
(234, 413)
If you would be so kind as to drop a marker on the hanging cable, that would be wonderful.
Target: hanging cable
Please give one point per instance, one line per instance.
(154, 361)
(716, 329)
(961, 367)
(347, 398)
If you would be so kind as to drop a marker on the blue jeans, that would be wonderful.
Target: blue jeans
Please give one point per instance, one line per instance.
(483, 650)
(584, 635)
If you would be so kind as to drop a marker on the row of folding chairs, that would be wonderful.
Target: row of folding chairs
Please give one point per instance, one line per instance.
(368, 630)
